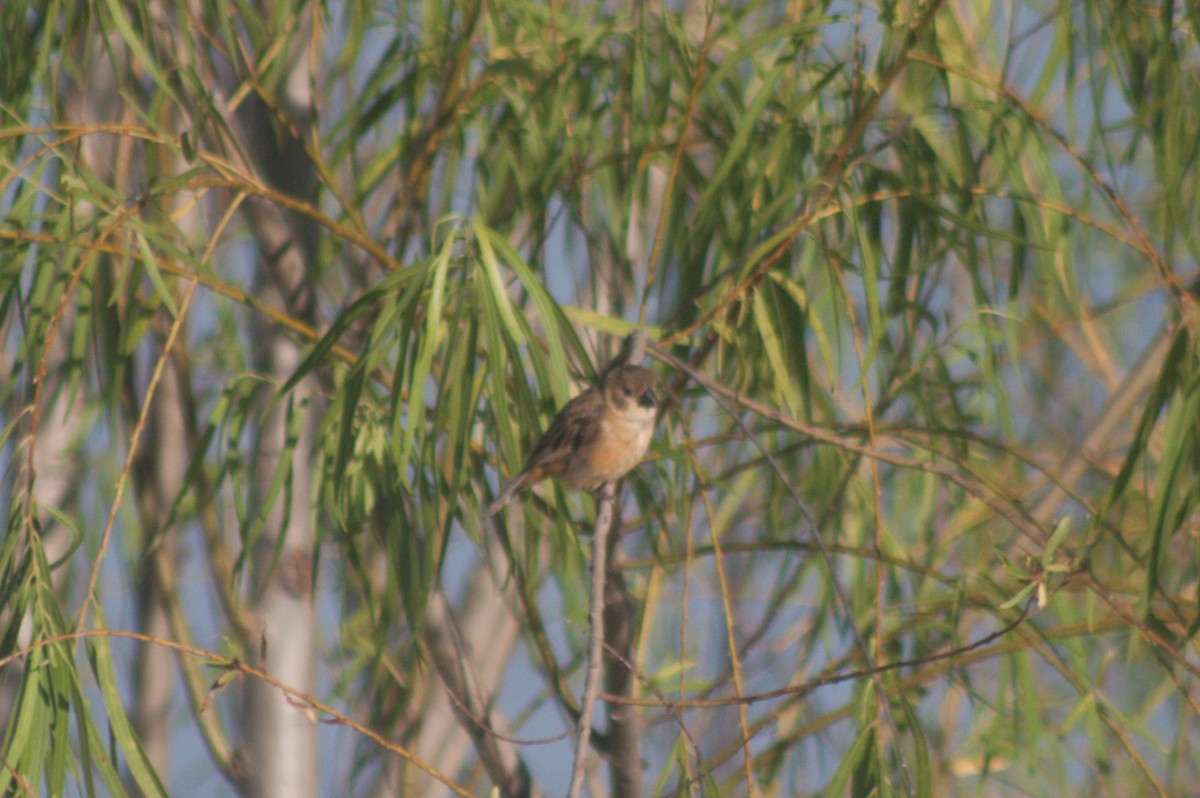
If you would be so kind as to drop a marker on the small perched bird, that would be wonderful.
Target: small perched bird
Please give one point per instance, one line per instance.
(598, 437)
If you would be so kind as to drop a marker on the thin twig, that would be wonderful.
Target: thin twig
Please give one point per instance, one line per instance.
(89, 597)
(452, 660)
(591, 685)
(835, 677)
(302, 701)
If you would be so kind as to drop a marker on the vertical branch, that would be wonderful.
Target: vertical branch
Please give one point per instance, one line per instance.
(467, 643)
(158, 478)
(633, 350)
(591, 685)
(281, 741)
(450, 653)
(623, 734)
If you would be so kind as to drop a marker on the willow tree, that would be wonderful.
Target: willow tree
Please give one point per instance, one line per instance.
(289, 290)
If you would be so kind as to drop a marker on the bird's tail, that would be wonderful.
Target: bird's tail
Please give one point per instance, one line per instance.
(505, 496)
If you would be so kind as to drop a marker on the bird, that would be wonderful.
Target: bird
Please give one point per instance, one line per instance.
(598, 437)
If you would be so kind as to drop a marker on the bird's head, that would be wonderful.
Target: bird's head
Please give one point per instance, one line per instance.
(632, 391)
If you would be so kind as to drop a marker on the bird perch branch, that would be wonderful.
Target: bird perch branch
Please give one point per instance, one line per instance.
(633, 350)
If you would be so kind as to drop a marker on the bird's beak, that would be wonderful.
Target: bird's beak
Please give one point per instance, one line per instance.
(649, 398)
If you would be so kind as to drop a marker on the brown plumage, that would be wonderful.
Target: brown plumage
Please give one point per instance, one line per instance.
(598, 437)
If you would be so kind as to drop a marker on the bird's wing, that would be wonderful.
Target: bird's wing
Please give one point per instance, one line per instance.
(575, 426)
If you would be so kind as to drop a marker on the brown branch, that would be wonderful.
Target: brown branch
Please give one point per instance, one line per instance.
(39, 379)
(89, 596)
(591, 685)
(454, 664)
(665, 211)
(633, 350)
(805, 688)
(622, 736)
(303, 701)
(1002, 505)
(832, 173)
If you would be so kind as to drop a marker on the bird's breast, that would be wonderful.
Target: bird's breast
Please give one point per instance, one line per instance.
(619, 447)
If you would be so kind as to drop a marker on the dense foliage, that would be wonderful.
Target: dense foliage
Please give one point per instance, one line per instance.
(287, 290)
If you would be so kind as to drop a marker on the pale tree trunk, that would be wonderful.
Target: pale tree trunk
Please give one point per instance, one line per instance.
(280, 750)
(281, 744)
(57, 469)
(95, 99)
(159, 480)
(162, 461)
(159, 474)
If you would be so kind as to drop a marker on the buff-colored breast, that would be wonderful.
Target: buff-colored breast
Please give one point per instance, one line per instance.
(620, 446)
